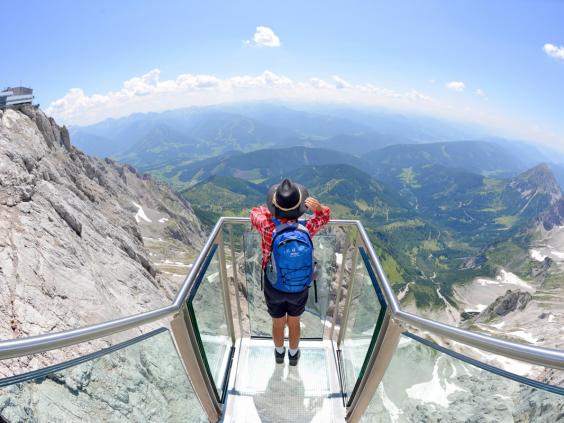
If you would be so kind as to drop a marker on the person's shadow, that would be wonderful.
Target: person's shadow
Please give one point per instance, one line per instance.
(284, 398)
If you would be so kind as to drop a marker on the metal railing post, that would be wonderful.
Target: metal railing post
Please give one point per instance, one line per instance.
(225, 286)
(339, 288)
(245, 307)
(380, 358)
(235, 279)
(187, 347)
(345, 320)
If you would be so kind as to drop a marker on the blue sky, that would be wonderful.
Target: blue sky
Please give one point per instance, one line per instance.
(425, 56)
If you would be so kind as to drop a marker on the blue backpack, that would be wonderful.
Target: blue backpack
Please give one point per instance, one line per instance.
(291, 264)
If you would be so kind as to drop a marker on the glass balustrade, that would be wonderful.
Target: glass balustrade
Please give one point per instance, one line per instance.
(365, 315)
(207, 309)
(140, 380)
(425, 383)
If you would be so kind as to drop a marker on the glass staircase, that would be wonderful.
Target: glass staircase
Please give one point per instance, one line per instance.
(208, 356)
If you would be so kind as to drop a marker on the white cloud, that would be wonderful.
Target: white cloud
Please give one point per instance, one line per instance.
(480, 92)
(457, 86)
(191, 82)
(554, 51)
(416, 95)
(319, 83)
(264, 36)
(149, 93)
(340, 83)
(266, 79)
(407, 97)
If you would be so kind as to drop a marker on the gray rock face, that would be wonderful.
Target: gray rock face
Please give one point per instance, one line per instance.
(511, 301)
(144, 382)
(541, 181)
(554, 216)
(71, 250)
(423, 385)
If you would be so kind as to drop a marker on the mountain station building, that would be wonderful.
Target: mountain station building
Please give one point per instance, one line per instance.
(16, 96)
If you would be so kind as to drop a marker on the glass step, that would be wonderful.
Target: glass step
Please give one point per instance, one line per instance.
(264, 391)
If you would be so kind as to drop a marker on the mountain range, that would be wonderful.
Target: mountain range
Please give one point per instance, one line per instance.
(160, 143)
(259, 165)
(436, 200)
(473, 156)
(432, 224)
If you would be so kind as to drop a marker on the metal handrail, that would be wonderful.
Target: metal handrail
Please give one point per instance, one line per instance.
(536, 355)
(547, 357)
(34, 344)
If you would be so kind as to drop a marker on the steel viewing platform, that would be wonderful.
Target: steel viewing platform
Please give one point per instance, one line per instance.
(211, 347)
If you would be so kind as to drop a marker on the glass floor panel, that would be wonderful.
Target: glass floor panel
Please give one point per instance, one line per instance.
(263, 391)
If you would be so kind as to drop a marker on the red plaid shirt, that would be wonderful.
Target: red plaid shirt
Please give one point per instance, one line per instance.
(261, 219)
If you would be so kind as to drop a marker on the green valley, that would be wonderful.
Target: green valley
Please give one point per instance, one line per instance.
(449, 227)
(440, 213)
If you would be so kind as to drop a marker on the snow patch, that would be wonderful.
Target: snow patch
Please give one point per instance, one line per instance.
(508, 364)
(338, 258)
(140, 215)
(176, 263)
(478, 308)
(526, 336)
(497, 325)
(484, 282)
(557, 254)
(436, 390)
(536, 255)
(505, 278)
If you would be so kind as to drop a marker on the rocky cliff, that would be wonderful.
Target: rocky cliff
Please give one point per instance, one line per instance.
(505, 304)
(72, 235)
(543, 196)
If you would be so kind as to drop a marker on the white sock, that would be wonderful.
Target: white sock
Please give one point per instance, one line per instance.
(293, 351)
(280, 350)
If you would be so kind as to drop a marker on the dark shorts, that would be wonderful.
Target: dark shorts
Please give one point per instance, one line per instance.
(281, 303)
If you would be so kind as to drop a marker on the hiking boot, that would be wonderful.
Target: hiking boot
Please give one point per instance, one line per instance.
(279, 356)
(294, 358)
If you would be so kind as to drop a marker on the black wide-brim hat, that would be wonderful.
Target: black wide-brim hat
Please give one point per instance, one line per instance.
(288, 202)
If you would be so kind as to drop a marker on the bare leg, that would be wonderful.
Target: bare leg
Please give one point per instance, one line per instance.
(294, 331)
(278, 324)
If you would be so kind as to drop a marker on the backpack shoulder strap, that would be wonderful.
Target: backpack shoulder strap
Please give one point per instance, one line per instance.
(280, 227)
(283, 227)
(303, 228)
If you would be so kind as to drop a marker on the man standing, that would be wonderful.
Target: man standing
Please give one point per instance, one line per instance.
(287, 262)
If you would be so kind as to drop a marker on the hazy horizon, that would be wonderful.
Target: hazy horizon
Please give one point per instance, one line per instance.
(483, 63)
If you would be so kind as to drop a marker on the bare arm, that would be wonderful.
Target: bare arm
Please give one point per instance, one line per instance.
(321, 218)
